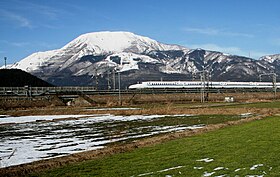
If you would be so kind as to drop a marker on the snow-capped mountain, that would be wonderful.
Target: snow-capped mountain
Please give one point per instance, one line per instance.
(273, 59)
(94, 58)
(95, 44)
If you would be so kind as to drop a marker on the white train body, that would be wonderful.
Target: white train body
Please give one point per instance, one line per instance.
(198, 84)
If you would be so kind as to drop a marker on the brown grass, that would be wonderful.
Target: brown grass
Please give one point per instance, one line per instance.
(131, 99)
(166, 109)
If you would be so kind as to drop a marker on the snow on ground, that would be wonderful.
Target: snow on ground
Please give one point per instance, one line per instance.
(218, 168)
(246, 114)
(208, 173)
(28, 140)
(254, 167)
(258, 168)
(161, 171)
(114, 109)
(217, 171)
(97, 118)
(24, 119)
(205, 160)
(172, 168)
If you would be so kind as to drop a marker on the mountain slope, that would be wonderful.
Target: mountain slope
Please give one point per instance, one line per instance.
(95, 58)
(273, 59)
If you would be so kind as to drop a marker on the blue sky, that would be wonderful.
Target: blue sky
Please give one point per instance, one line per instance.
(241, 27)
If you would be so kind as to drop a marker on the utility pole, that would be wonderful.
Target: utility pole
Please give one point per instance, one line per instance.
(205, 81)
(108, 76)
(114, 79)
(96, 80)
(208, 78)
(119, 82)
(5, 59)
(202, 77)
(274, 85)
(202, 88)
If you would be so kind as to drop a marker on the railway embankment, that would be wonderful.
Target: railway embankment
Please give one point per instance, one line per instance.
(130, 99)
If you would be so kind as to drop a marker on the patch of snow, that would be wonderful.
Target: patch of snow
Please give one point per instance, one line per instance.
(24, 119)
(129, 61)
(109, 109)
(270, 58)
(193, 127)
(42, 140)
(197, 168)
(145, 174)
(34, 61)
(246, 114)
(208, 173)
(236, 170)
(118, 41)
(161, 171)
(254, 167)
(172, 168)
(205, 160)
(228, 68)
(219, 168)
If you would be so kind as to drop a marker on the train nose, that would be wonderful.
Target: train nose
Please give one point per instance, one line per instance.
(136, 86)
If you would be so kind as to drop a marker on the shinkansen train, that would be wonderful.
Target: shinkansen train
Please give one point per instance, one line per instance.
(198, 84)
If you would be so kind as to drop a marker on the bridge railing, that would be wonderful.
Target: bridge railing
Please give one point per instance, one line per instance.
(40, 90)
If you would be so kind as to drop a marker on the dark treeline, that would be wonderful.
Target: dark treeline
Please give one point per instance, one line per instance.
(19, 78)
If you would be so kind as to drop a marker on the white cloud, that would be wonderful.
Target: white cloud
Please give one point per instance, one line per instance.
(257, 55)
(214, 47)
(207, 31)
(39, 9)
(16, 18)
(216, 32)
(16, 44)
(233, 50)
